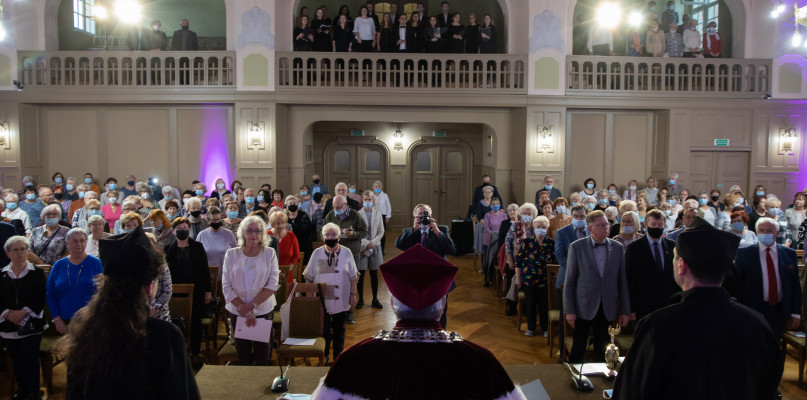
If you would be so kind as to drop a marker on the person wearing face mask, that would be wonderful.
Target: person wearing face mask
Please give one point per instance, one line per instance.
(491, 223)
(172, 210)
(666, 209)
(741, 201)
(129, 206)
(168, 194)
(95, 225)
(91, 207)
(632, 192)
(351, 224)
(561, 218)
(703, 205)
(220, 190)
(317, 186)
(776, 292)
(775, 213)
(654, 40)
(534, 254)
(162, 228)
(590, 202)
(146, 204)
(13, 212)
(58, 179)
(760, 210)
(77, 203)
(353, 192)
(674, 186)
(156, 39)
(48, 240)
(335, 266)
(88, 180)
(231, 219)
(111, 184)
(602, 200)
(712, 44)
(669, 16)
(629, 229)
(519, 231)
(215, 239)
(35, 209)
(549, 186)
(565, 236)
(305, 197)
(739, 227)
(301, 225)
(129, 188)
(479, 209)
(382, 204)
(184, 39)
(371, 255)
(692, 39)
(187, 261)
(197, 223)
(60, 198)
(589, 188)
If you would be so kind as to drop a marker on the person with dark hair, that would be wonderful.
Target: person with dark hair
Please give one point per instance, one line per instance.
(321, 25)
(487, 33)
(759, 210)
(455, 35)
(739, 226)
(589, 188)
(303, 36)
(113, 349)
(700, 339)
(364, 31)
(444, 18)
(277, 198)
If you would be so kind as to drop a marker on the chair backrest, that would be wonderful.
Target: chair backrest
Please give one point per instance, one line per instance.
(46, 268)
(298, 269)
(181, 303)
(214, 280)
(284, 273)
(306, 316)
(553, 301)
(316, 245)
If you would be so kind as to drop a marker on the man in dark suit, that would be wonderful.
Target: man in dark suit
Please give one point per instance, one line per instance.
(428, 234)
(549, 186)
(421, 10)
(706, 346)
(595, 288)
(249, 205)
(341, 190)
(184, 40)
(766, 278)
(479, 195)
(444, 18)
(648, 265)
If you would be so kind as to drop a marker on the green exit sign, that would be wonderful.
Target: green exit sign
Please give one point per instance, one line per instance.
(721, 142)
(356, 132)
(441, 133)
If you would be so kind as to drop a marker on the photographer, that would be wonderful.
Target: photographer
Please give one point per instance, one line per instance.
(427, 233)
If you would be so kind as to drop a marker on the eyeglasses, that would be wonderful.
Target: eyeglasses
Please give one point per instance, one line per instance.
(330, 236)
(254, 231)
(603, 225)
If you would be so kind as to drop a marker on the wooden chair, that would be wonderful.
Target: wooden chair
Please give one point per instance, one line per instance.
(553, 304)
(306, 321)
(181, 305)
(795, 347)
(280, 298)
(49, 337)
(520, 308)
(298, 270)
(211, 324)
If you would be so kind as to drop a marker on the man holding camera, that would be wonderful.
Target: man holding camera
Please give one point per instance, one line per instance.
(427, 233)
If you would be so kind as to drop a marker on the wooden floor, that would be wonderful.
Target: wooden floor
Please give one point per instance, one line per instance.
(475, 312)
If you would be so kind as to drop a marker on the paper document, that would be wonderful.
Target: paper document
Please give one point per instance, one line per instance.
(535, 390)
(299, 342)
(261, 332)
(591, 368)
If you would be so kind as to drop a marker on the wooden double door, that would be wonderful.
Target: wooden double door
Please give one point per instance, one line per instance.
(441, 178)
(718, 170)
(362, 164)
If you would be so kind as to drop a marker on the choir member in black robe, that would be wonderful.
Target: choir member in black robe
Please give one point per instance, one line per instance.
(706, 346)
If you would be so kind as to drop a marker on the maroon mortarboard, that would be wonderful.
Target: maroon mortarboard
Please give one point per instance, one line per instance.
(418, 277)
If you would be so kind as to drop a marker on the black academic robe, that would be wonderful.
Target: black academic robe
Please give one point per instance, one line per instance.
(387, 369)
(168, 373)
(705, 347)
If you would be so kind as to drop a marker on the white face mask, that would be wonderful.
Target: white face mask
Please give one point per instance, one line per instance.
(540, 232)
(156, 27)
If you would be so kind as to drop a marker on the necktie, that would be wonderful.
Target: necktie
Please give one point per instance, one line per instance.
(657, 255)
(773, 290)
(423, 237)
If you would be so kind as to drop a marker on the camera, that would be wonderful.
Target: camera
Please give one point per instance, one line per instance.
(425, 219)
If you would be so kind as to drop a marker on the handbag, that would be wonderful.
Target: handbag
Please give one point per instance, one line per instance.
(512, 294)
(33, 325)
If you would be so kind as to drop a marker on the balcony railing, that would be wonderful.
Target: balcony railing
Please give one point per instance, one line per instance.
(409, 72)
(127, 69)
(717, 77)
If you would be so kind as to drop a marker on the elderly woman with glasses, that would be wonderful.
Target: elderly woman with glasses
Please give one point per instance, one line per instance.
(333, 265)
(91, 207)
(71, 280)
(48, 240)
(249, 279)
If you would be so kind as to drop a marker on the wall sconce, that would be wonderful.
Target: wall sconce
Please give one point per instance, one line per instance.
(398, 140)
(5, 135)
(545, 142)
(255, 137)
(787, 141)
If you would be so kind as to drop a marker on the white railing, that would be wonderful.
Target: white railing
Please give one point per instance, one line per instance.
(719, 77)
(127, 68)
(402, 71)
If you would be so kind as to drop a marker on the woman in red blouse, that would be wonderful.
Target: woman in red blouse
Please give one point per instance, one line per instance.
(288, 249)
(277, 199)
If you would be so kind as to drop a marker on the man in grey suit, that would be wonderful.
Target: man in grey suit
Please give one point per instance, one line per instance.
(596, 286)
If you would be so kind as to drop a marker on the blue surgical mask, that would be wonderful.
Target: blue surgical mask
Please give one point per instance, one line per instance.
(540, 232)
(171, 217)
(765, 238)
(575, 203)
(303, 193)
(232, 214)
(760, 193)
(69, 187)
(377, 191)
(219, 186)
(703, 201)
(30, 196)
(51, 221)
(158, 227)
(548, 187)
(167, 197)
(113, 186)
(578, 223)
(88, 180)
(260, 199)
(11, 206)
(590, 206)
(249, 199)
(628, 229)
(199, 192)
(671, 201)
(740, 201)
(94, 212)
(496, 207)
(611, 191)
(774, 211)
(58, 180)
(667, 212)
(561, 209)
(352, 190)
(526, 218)
(368, 204)
(602, 201)
(672, 181)
(340, 212)
(737, 226)
(633, 187)
(590, 185)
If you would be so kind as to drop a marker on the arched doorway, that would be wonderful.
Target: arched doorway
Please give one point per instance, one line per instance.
(440, 178)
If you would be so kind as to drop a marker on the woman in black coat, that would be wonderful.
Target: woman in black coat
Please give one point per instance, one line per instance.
(455, 35)
(187, 261)
(488, 36)
(321, 26)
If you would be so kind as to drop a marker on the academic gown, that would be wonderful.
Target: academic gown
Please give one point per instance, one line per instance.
(167, 373)
(705, 347)
(384, 368)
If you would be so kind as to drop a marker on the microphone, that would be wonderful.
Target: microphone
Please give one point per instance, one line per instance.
(580, 381)
(281, 383)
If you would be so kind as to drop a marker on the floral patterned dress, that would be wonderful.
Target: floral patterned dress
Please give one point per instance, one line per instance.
(532, 260)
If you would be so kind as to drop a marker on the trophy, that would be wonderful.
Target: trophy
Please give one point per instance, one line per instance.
(612, 353)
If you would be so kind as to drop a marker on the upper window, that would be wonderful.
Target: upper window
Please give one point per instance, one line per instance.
(705, 14)
(83, 15)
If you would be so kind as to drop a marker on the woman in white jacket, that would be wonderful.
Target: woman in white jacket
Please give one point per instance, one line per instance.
(249, 280)
(371, 255)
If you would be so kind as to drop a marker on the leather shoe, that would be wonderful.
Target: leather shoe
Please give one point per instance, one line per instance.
(360, 304)
(377, 304)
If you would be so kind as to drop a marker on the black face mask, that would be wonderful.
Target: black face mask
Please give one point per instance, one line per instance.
(182, 235)
(293, 208)
(715, 198)
(215, 225)
(58, 196)
(316, 181)
(196, 214)
(130, 183)
(331, 242)
(655, 233)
